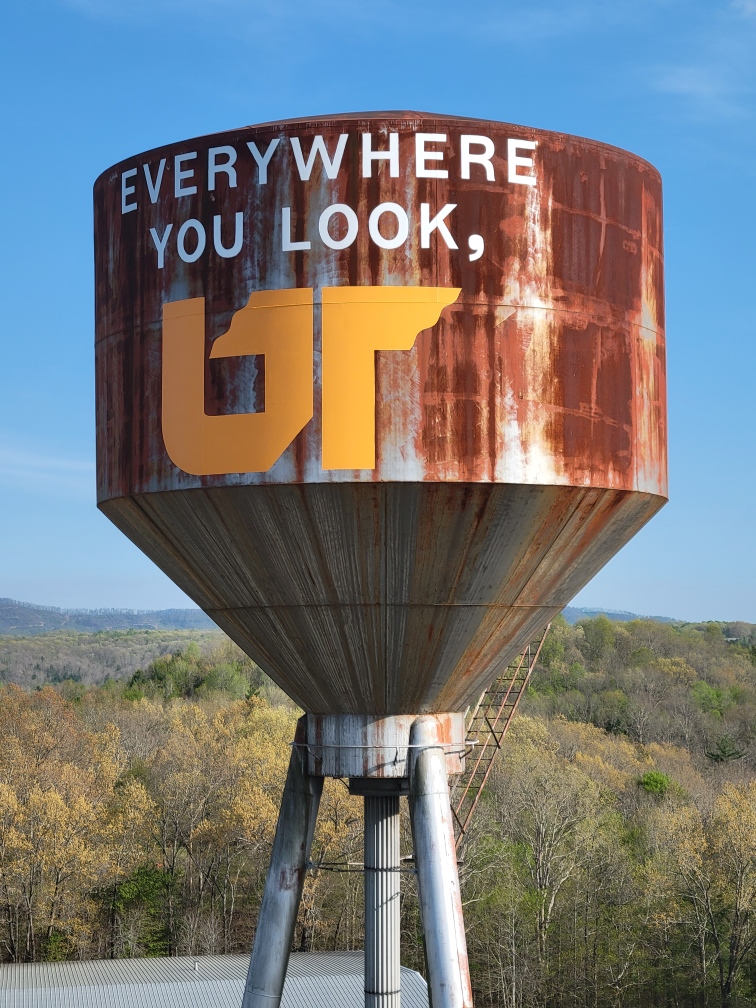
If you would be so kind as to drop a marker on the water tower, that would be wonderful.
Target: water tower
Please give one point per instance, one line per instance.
(381, 392)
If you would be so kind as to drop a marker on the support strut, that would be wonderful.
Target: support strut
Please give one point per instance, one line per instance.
(437, 875)
(285, 880)
(382, 917)
(377, 755)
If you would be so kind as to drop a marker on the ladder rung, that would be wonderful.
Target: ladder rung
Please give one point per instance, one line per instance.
(488, 726)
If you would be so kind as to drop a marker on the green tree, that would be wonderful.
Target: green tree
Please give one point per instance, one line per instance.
(598, 636)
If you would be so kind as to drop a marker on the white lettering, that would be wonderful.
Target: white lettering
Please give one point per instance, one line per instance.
(180, 174)
(213, 167)
(428, 226)
(369, 155)
(196, 226)
(287, 245)
(318, 147)
(514, 162)
(127, 190)
(263, 160)
(476, 245)
(352, 226)
(469, 158)
(220, 248)
(402, 225)
(160, 243)
(153, 188)
(422, 155)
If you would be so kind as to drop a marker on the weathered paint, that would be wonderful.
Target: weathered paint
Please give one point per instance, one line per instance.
(285, 880)
(370, 745)
(437, 874)
(520, 442)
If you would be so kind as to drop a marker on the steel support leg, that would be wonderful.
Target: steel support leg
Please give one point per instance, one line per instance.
(285, 880)
(382, 918)
(437, 875)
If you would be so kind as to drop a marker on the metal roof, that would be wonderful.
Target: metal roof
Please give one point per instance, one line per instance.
(313, 980)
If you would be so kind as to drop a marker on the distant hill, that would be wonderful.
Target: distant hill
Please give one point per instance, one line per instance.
(32, 660)
(45, 644)
(573, 613)
(24, 619)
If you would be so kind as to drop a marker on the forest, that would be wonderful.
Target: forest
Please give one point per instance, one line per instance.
(612, 860)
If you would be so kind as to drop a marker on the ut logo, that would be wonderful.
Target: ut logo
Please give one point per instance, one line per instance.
(357, 321)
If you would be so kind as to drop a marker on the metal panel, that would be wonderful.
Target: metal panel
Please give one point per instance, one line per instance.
(388, 598)
(314, 980)
(369, 745)
(547, 369)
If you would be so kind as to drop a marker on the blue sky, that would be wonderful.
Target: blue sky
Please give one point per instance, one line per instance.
(88, 82)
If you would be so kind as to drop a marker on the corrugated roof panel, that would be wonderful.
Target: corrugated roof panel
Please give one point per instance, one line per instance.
(314, 980)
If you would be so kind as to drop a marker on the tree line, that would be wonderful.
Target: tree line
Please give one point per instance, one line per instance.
(612, 860)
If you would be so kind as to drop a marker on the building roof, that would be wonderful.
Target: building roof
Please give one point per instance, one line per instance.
(313, 980)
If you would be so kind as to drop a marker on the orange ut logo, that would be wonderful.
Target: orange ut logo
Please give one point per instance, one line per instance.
(357, 321)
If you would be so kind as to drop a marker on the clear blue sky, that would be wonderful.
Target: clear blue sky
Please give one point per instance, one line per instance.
(88, 82)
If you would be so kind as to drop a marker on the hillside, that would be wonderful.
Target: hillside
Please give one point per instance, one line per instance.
(45, 644)
(611, 862)
(91, 657)
(690, 685)
(26, 619)
(573, 614)
(632, 676)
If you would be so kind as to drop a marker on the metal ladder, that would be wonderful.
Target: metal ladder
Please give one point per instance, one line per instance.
(487, 724)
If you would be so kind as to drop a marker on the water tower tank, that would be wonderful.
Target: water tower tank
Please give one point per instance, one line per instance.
(380, 501)
(380, 392)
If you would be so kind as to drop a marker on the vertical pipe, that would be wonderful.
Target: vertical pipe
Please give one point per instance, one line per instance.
(382, 918)
(285, 880)
(437, 875)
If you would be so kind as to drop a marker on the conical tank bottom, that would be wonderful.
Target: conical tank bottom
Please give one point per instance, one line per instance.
(388, 598)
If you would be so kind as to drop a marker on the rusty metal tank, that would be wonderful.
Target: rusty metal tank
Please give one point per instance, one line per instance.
(380, 392)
